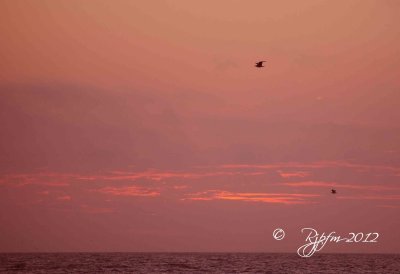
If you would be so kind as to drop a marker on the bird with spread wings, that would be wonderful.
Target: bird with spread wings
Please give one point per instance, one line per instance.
(260, 64)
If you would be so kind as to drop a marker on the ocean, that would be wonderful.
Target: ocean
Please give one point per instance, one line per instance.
(196, 263)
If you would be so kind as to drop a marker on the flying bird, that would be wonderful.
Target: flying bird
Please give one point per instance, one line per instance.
(333, 191)
(260, 64)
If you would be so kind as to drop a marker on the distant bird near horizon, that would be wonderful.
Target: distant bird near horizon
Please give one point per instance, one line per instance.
(260, 64)
(333, 191)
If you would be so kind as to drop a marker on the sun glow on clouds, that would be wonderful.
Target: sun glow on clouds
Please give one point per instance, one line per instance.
(300, 174)
(277, 198)
(241, 183)
(155, 175)
(130, 191)
(342, 186)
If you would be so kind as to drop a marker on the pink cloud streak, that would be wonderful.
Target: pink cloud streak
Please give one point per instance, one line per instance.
(333, 184)
(312, 165)
(130, 191)
(279, 198)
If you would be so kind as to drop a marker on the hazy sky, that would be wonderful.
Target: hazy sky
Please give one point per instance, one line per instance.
(144, 125)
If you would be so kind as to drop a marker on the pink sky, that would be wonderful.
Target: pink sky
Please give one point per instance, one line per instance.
(144, 126)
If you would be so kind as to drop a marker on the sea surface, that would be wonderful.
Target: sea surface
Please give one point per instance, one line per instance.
(196, 263)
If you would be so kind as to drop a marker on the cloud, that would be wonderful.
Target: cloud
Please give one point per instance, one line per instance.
(81, 128)
(155, 175)
(374, 197)
(64, 198)
(180, 187)
(365, 175)
(312, 165)
(277, 198)
(53, 179)
(390, 206)
(130, 191)
(293, 174)
(241, 182)
(96, 210)
(338, 185)
(42, 178)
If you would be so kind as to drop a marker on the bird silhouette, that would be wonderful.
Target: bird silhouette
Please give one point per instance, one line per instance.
(260, 64)
(333, 191)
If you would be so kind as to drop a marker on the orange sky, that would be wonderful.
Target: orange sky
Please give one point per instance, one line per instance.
(144, 126)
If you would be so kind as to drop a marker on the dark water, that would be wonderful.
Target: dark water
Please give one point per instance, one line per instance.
(196, 263)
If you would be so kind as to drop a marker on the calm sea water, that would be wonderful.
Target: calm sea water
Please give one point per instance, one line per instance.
(196, 263)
